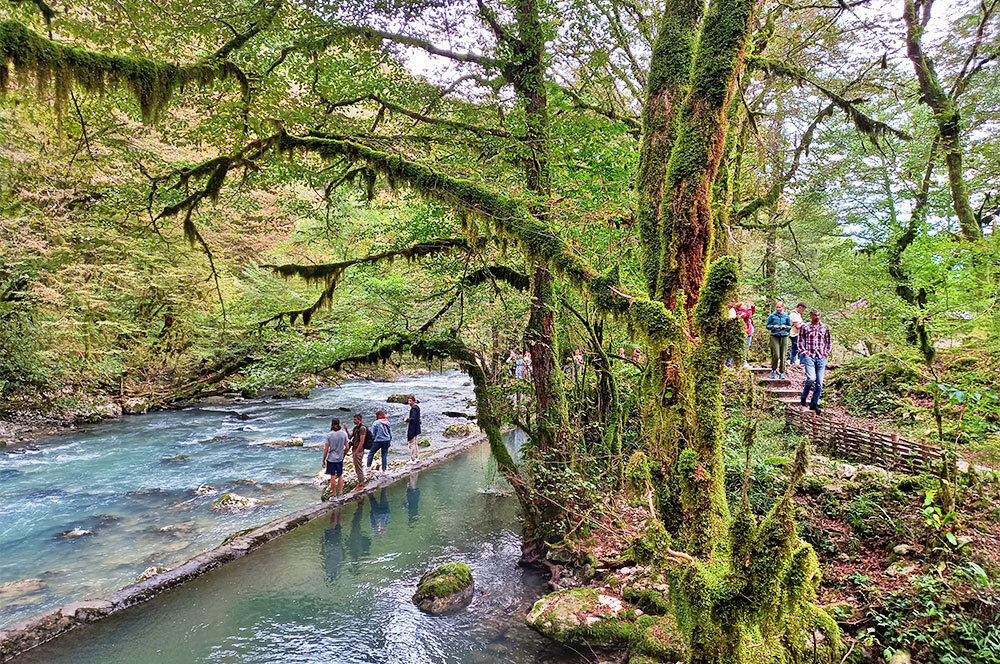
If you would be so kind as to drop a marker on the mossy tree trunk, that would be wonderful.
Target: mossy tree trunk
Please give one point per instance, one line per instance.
(916, 14)
(738, 582)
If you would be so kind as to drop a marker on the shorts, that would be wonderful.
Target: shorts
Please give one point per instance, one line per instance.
(335, 468)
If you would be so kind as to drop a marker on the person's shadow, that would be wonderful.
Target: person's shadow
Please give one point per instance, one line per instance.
(412, 498)
(379, 514)
(333, 546)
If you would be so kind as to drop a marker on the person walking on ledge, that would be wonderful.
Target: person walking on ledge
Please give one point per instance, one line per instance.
(381, 438)
(779, 324)
(814, 346)
(413, 428)
(359, 439)
(333, 457)
(793, 334)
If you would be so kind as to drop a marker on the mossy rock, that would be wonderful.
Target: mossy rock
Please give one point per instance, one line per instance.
(424, 443)
(460, 430)
(446, 589)
(398, 398)
(290, 442)
(590, 617)
(233, 502)
(150, 572)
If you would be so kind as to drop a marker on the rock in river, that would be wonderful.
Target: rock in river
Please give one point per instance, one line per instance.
(150, 572)
(398, 398)
(291, 442)
(13, 589)
(460, 430)
(232, 502)
(446, 589)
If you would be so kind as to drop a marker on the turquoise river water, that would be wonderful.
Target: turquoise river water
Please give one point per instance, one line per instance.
(338, 589)
(85, 512)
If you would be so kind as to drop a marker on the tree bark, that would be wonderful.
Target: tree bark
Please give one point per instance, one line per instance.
(946, 114)
(669, 65)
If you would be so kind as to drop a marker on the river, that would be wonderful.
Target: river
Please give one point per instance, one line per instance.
(338, 589)
(85, 512)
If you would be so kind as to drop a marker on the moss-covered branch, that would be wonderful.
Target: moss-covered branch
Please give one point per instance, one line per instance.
(151, 82)
(508, 218)
(670, 66)
(863, 122)
(330, 273)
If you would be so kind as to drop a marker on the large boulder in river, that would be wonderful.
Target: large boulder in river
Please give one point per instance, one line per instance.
(460, 430)
(446, 589)
(398, 398)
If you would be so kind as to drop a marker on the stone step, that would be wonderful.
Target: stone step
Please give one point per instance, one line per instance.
(789, 398)
(774, 383)
(779, 392)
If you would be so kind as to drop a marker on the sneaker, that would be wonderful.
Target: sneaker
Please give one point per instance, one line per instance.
(802, 402)
(781, 376)
(772, 374)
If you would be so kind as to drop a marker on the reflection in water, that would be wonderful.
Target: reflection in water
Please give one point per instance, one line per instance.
(331, 592)
(333, 545)
(379, 514)
(133, 484)
(412, 498)
(359, 545)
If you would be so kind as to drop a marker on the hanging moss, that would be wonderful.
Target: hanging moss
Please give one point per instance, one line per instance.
(59, 67)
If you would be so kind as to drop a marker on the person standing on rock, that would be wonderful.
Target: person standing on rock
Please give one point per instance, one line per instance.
(381, 438)
(795, 315)
(779, 324)
(359, 442)
(413, 428)
(814, 346)
(333, 457)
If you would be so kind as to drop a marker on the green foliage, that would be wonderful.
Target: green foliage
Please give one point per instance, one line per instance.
(873, 385)
(953, 619)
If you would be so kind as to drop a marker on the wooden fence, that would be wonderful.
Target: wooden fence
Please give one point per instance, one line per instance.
(865, 445)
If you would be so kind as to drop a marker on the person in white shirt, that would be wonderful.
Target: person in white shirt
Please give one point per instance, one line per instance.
(793, 334)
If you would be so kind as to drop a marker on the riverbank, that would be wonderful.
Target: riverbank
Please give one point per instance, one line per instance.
(48, 625)
(29, 417)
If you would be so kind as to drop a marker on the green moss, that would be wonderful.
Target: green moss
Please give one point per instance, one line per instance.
(445, 581)
(649, 600)
(56, 65)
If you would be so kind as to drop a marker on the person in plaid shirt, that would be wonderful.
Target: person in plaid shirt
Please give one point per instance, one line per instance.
(814, 345)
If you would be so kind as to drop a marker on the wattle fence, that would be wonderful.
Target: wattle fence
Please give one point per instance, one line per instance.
(865, 445)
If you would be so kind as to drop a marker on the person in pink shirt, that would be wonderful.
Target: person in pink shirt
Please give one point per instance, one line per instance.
(744, 311)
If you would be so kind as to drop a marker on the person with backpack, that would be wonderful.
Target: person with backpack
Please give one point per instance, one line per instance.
(360, 441)
(381, 438)
(413, 428)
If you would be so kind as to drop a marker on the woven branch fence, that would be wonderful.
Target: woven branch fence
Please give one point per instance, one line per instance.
(872, 447)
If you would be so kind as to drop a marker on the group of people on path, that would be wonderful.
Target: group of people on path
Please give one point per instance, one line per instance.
(792, 341)
(341, 441)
